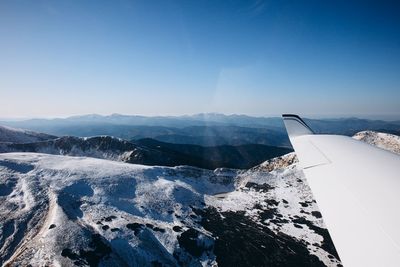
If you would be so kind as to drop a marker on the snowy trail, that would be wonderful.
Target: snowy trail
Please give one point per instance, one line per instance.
(27, 221)
(36, 238)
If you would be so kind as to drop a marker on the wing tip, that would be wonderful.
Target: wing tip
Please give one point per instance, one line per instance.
(295, 125)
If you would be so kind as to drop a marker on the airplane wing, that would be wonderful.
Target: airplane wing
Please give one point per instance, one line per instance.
(357, 188)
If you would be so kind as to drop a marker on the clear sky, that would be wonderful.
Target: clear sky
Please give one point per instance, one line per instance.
(60, 58)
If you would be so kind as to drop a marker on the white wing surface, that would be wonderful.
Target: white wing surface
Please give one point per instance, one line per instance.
(357, 188)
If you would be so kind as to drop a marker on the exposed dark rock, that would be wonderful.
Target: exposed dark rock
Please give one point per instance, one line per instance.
(267, 214)
(110, 218)
(272, 202)
(303, 204)
(327, 243)
(177, 228)
(99, 250)
(189, 241)
(259, 187)
(316, 214)
(251, 246)
(136, 227)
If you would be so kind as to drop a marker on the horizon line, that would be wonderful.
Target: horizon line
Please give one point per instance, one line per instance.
(385, 116)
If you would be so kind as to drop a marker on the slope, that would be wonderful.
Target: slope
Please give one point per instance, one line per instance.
(13, 135)
(211, 157)
(152, 152)
(60, 210)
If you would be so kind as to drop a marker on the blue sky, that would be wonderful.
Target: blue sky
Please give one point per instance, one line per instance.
(320, 58)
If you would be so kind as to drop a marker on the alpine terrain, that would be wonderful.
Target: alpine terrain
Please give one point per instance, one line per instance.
(59, 210)
(152, 152)
(14, 135)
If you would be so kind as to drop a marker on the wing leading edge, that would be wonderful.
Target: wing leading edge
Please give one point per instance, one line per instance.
(357, 188)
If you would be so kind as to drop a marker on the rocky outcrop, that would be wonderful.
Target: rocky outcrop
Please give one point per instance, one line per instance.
(385, 141)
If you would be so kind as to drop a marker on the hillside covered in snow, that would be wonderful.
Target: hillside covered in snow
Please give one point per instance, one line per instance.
(13, 135)
(152, 152)
(60, 210)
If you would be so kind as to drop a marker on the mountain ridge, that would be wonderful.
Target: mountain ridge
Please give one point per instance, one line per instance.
(16, 135)
(88, 212)
(200, 129)
(153, 152)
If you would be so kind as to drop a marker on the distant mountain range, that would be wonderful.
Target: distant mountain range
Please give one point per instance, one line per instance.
(201, 129)
(204, 119)
(350, 126)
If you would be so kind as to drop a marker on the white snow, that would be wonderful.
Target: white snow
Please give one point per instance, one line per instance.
(79, 194)
(288, 184)
(14, 135)
(75, 193)
(50, 203)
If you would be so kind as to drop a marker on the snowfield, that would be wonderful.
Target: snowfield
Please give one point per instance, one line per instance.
(81, 211)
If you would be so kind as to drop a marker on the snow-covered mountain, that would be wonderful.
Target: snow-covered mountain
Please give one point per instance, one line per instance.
(104, 147)
(13, 135)
(66, 211)
(152, 152)
(386, 141)
(61, 210)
